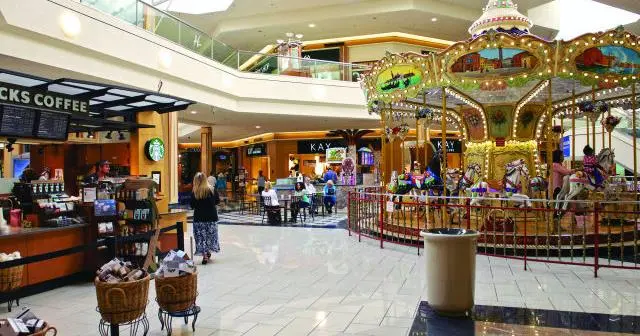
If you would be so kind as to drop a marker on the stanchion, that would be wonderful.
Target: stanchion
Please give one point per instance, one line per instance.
(596, 251)
(381, 224)
(526, 210)
(349, 200)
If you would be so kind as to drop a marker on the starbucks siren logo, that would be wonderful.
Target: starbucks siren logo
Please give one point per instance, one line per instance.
(154, 149)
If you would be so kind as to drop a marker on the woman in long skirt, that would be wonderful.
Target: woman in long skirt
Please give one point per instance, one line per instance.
(205, 217)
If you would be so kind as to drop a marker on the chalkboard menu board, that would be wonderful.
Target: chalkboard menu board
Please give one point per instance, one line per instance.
(24, 122)
(52, 126)
(17, 121)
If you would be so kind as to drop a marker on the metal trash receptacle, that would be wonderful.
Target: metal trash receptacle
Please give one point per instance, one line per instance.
(450, 256)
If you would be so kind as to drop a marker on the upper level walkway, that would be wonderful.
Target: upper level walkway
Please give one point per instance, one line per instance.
(67, 38)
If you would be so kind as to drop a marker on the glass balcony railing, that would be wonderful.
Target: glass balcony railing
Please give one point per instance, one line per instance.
(303, 67)
(148, 17)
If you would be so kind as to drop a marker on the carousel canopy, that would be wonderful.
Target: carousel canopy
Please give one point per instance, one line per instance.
(504, 82)
(501, 15)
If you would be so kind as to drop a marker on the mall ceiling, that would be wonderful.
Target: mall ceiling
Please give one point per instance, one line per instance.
(228, 125)
(251, 24)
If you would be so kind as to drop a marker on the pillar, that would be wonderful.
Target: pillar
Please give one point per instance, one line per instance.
(206, 151)
(173, 158)
(141, 165)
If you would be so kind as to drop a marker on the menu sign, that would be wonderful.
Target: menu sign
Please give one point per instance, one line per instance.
(17, 121)
(52, 126)
(24, 122)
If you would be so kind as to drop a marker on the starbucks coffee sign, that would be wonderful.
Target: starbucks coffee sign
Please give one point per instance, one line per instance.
(25, 96)
(154, 149)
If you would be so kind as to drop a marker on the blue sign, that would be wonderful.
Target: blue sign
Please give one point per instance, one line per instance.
(566, 146)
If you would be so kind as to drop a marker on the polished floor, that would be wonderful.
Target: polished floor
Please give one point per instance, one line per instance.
(312, 281)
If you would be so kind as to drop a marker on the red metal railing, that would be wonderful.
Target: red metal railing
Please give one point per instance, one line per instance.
(598, 234)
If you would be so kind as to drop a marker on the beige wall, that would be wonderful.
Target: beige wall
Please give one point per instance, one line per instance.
(376, 51)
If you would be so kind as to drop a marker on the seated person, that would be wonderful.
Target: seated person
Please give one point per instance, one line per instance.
(311, 192)
(301, 194)
(271, 205)
(592, 167)
(329, 196)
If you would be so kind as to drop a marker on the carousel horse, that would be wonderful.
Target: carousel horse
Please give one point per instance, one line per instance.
(573, 185)
(453, 181)
(472, 184)
(433, 180)
(511, 181)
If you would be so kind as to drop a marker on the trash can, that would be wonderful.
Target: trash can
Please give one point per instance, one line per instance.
(450, 256)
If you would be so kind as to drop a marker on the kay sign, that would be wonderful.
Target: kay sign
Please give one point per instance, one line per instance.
(18, 95)
(319, 146)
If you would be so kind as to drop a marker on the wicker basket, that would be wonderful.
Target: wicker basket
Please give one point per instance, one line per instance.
(46, 331)
(178, 293)
(122, 302)
(10, 278)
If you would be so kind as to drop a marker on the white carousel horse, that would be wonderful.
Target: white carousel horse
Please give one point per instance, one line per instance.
(573, 185)
(511, 181)
(471, 183)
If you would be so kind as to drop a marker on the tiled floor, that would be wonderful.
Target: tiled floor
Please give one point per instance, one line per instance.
(327, 221)
(310, 281)
(504, 321)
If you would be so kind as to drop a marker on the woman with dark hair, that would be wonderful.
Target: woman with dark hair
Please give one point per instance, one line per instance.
(559, 172)
(300, 193)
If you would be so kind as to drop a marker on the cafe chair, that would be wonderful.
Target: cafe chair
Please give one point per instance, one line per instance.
(263, 207)
(247, 205)
(269, 210)
(301, 210)
(318, 204)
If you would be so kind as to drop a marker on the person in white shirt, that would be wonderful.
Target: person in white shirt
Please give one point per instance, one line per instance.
(272, 207)
(310, 189)
(212, 180)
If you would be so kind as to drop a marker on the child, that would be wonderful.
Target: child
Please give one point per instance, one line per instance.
(591, 165)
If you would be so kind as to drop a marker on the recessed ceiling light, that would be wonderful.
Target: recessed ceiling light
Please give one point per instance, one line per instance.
(434, 19)
(258, 127)
(194, 112)
(312, 25)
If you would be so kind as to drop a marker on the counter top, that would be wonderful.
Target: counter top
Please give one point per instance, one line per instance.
(20, 231)
(174, 212)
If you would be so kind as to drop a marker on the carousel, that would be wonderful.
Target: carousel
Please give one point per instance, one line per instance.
(515, 101)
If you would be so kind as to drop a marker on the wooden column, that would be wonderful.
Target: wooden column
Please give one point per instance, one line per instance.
(141, 165)
(206, 155)
(172, 150)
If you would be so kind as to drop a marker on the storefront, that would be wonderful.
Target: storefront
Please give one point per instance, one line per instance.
(54, 132)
